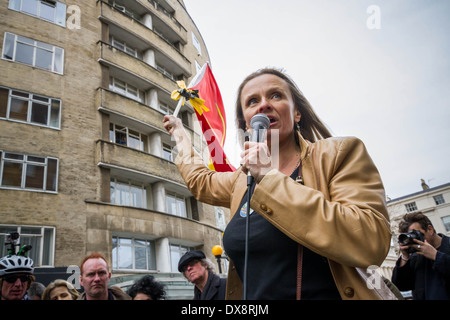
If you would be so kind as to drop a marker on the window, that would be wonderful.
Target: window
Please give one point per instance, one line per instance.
(165, 72)
(176, 252)
(41, 240)
(167, 152)
(220, 218)
(439, 199)
(164, 108)
(126, 89)
(30, 108)
(19, 171)
(122, 46)
(133, 254)
(196, 44)
(127, 194)
(34, 53)
(411, 207)
(446, 222)
(176, 205)
(48, 10)
(127, 137)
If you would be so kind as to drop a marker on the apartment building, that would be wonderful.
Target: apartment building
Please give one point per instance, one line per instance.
(85, 162)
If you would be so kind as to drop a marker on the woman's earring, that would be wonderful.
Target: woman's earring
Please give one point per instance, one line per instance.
(298, 127)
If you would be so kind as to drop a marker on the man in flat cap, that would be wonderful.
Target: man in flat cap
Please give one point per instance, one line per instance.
(199, 270)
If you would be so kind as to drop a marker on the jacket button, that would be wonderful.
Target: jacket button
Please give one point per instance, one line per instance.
(263, 207)
(269, 211)
(349, 292)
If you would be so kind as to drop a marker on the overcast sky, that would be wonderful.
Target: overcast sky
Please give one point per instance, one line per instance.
(378, 70)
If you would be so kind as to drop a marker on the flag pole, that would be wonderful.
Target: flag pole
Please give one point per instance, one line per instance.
(180, 103)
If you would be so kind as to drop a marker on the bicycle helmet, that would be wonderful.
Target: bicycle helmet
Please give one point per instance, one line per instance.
(15, 264)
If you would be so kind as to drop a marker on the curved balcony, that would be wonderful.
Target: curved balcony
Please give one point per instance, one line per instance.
(166, 19)
(111, 16)
(144, 166)
(113, 103)
(112, 57)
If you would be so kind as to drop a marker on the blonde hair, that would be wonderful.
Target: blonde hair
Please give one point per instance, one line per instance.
(60, 283)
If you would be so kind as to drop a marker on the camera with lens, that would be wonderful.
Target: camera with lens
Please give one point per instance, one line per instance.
(408, 238)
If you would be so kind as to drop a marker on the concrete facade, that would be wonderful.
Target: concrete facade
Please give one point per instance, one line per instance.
(121, 60)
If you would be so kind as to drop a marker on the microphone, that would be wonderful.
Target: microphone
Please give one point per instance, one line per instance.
(259, 123)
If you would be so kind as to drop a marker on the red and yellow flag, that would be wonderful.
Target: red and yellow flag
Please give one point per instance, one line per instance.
(212, 118)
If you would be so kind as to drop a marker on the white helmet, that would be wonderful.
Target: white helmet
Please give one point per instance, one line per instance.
(15, 264)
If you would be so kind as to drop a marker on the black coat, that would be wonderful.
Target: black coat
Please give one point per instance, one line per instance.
(412, 276)
(214, 288)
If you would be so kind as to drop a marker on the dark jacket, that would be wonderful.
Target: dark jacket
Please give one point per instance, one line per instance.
(412, 276)
(214, 288)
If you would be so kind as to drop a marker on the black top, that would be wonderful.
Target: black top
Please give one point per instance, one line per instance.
(272, 260)
(214, 288)
(429, 280)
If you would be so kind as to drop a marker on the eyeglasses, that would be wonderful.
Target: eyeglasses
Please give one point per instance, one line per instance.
(13, 278)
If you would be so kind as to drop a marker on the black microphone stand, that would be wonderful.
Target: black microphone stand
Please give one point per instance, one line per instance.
(259, 123)
(250, 183)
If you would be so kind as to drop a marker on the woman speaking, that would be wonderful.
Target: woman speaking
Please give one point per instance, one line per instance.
(318, 217)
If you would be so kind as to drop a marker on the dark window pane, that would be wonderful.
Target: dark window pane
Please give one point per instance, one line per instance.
(19, 109)
(34, 177)
(52, 167)
(39, 113)
(3, 102)
(12, 174)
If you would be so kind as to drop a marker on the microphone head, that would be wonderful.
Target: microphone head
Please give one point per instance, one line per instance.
(260, 120)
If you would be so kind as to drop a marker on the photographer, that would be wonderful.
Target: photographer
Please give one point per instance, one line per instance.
(424, 263)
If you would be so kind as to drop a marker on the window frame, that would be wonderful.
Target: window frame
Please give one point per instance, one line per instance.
(411, 207)
(125, 89)
(150, 253)
(114, 199)
(439, 199)
(178, 199)
(50, 246)
(129, 133)
(32, 99)
(25, 162)
(446, 222)
(35, 45)
(59, 15)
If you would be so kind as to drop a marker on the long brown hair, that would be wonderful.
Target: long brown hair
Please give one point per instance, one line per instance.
(311, 127)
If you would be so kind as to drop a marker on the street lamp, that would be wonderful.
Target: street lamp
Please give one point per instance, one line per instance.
(217, 252)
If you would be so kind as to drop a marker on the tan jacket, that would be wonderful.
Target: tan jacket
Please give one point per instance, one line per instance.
(340, 212)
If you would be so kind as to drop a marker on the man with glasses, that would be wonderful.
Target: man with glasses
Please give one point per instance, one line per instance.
(16, 276)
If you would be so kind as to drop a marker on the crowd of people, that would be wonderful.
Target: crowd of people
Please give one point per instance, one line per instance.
(17, 281)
